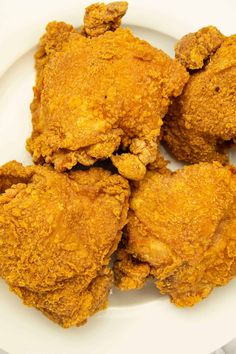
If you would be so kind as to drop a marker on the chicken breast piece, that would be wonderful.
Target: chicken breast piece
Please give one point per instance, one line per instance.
(57, 233)
(181, 231)
(99, 90)
(201, 123)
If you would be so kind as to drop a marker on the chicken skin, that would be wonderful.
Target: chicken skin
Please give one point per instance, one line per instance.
(57, 233)
(100, 90)
(201, 123)
(181, 231)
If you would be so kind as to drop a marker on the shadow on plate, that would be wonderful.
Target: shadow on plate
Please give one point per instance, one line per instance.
(129, 298)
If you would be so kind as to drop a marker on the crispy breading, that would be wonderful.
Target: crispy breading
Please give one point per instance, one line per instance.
(201, 123)
(57, 233)
(100, 18)
(94, 95)
(182, 231)
(195, 48)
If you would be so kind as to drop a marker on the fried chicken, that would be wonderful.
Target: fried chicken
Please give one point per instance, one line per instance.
(57, 233)
(201, 123)
(182, 231)
(100, 18)
(99, 90)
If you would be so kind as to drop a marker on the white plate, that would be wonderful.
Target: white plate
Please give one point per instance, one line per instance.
(138, 321)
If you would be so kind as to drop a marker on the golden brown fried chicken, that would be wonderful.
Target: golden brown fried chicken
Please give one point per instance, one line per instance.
(100, 18)
(195, 48)
(99, 90)
(182, 231)
(57, 233)
(202, 121)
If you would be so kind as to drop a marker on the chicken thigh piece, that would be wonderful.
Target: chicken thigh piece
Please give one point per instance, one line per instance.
(100, 90)
(182, 232)
(201, 123)
(57, 233)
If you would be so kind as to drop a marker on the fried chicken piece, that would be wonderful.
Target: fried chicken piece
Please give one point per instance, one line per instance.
(182, 231)
(130, 273)
(100, 18)
(201, 123)
(195, 48)
(97, 91)
(57, 233)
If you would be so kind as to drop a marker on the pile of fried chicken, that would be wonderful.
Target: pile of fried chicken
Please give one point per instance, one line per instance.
(103, 94)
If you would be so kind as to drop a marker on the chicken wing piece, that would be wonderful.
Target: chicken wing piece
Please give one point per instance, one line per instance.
(99, 90)
(201, 123)
(57, 233)
(182, 231)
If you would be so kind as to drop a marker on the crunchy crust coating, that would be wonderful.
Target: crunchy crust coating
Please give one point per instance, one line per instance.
(57, 233)
(182, 226)
(94, 95)
(100, 18)
(202, 122)
(130, 273)
(194, 48)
